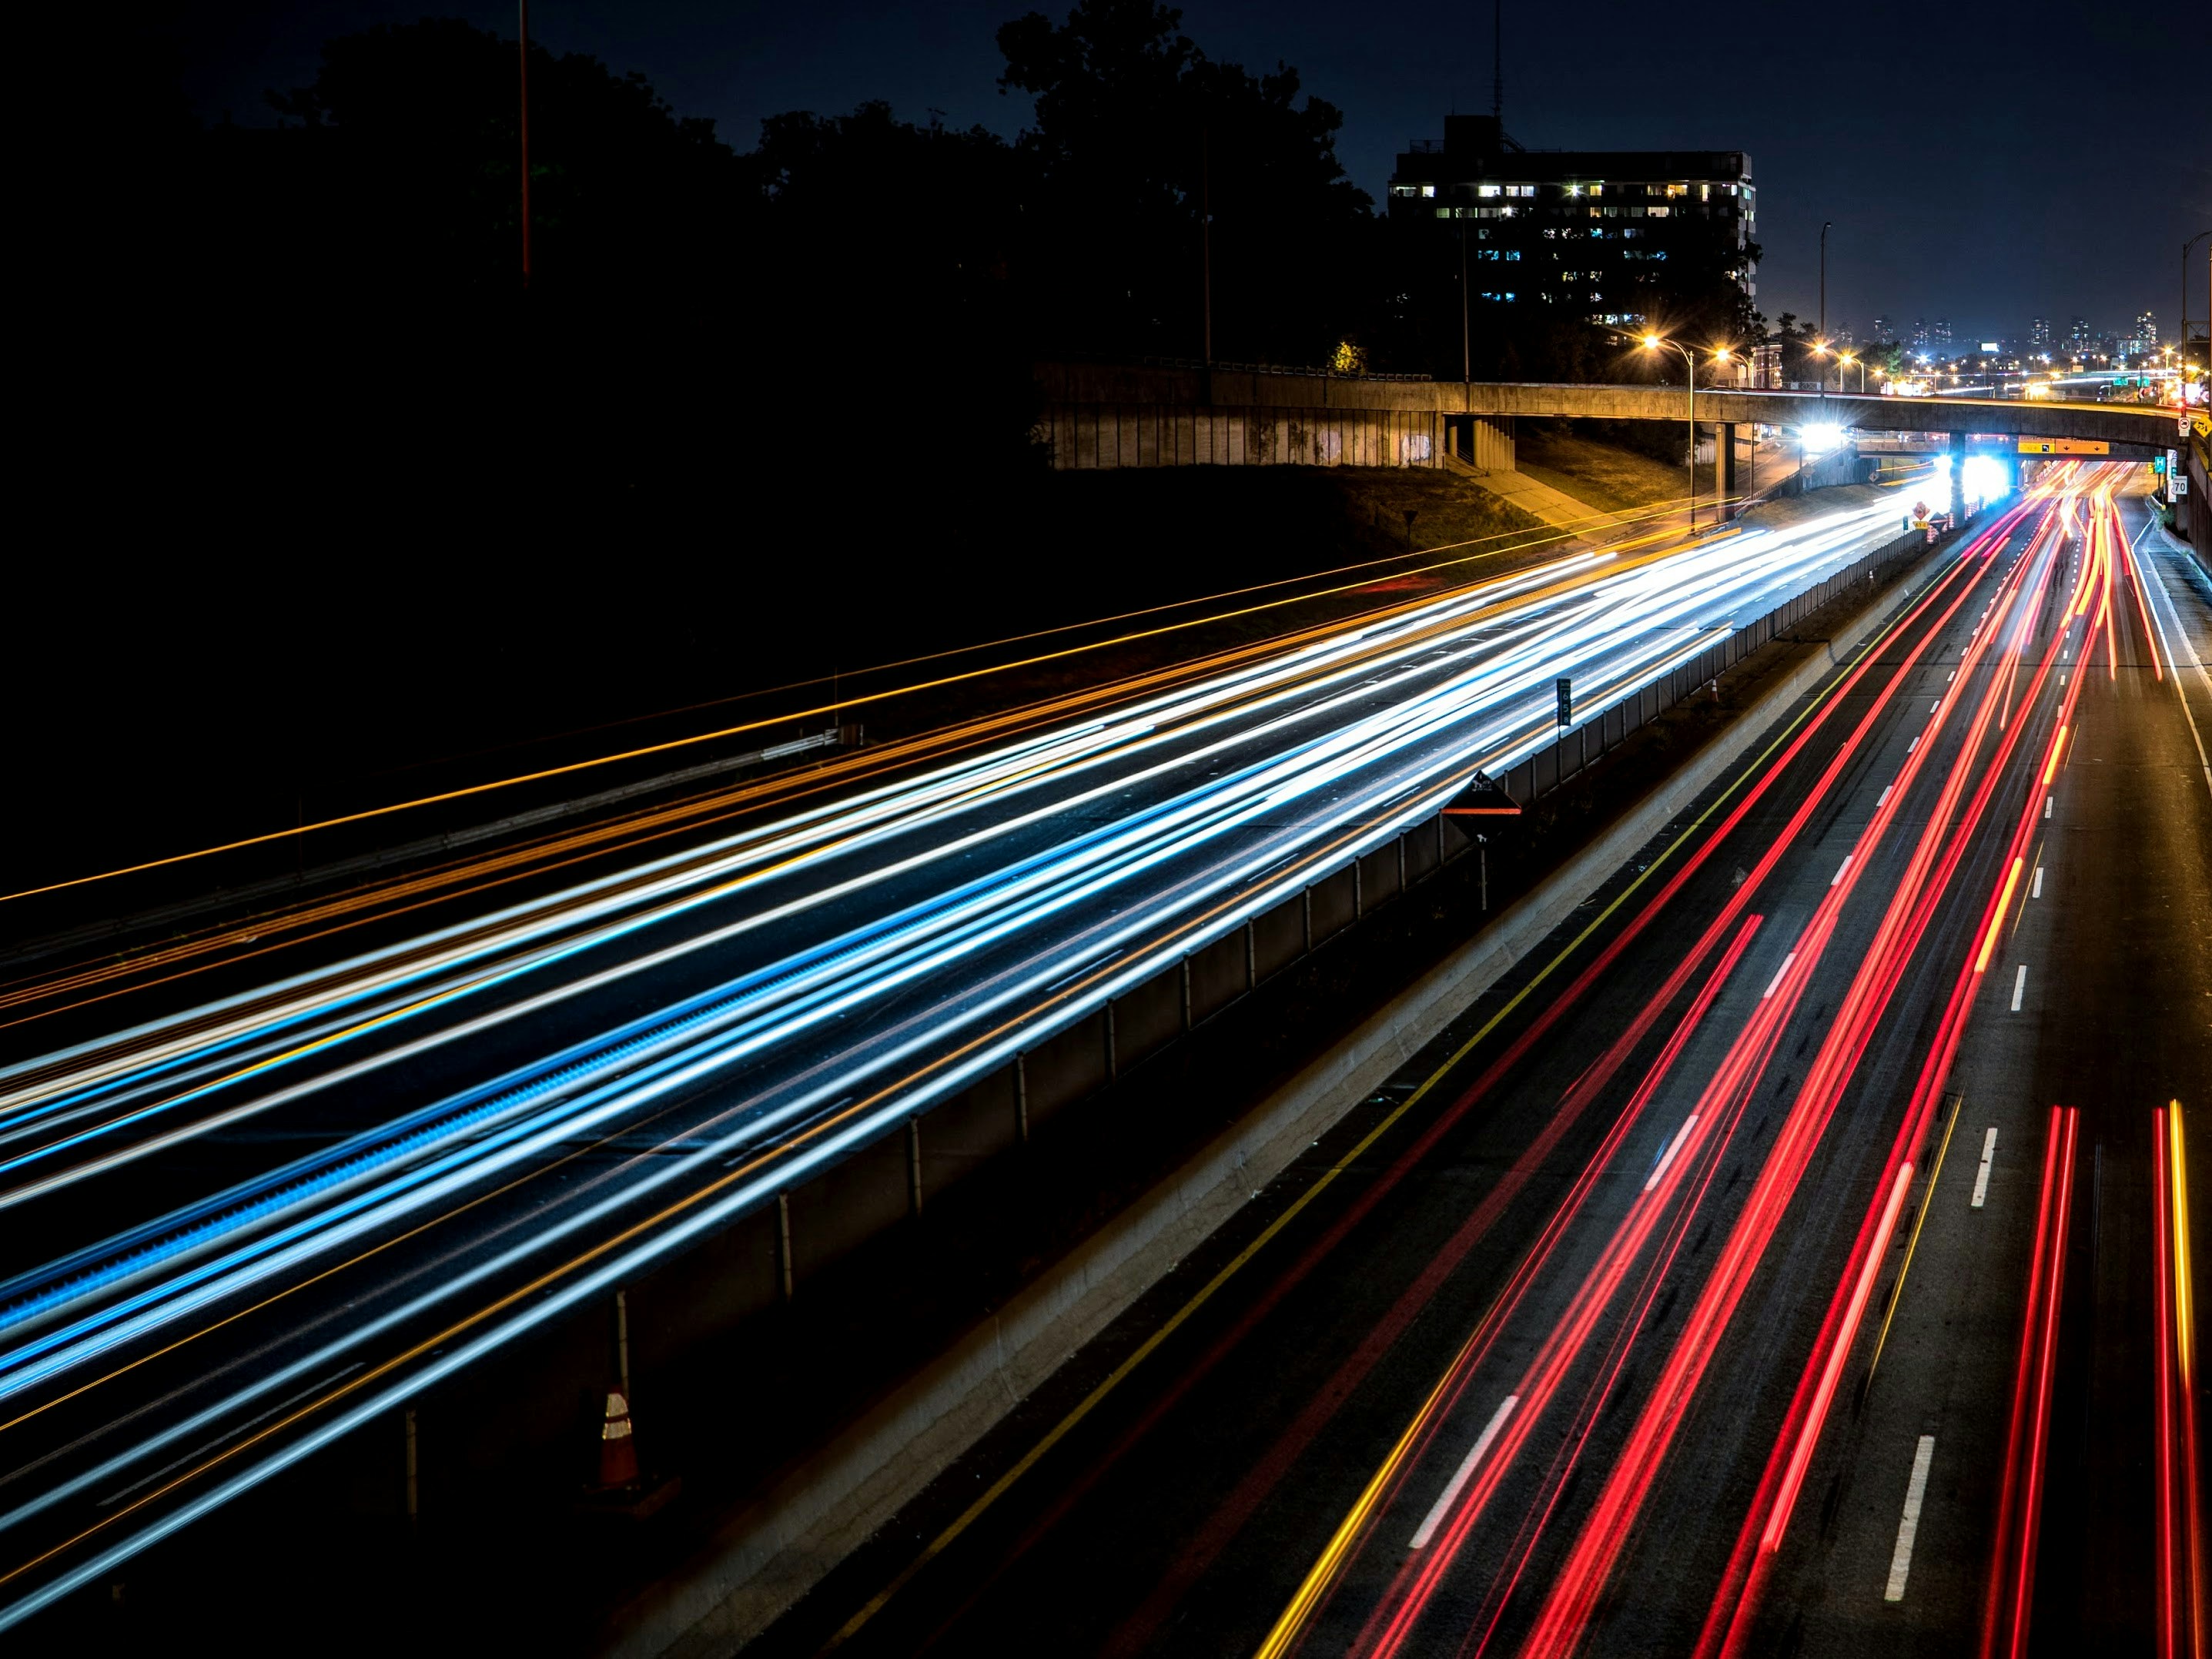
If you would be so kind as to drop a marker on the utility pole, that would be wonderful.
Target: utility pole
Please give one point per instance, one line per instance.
(1497, 65)
(1466, 344)
(1652, 343)
(525, 6)
(2185, 246)
(1205, 239)
(1824, 300)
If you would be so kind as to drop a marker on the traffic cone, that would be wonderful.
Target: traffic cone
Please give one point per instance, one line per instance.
(617, 1448)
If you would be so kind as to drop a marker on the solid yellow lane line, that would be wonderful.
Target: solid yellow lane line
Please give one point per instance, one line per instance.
(1927, 1203)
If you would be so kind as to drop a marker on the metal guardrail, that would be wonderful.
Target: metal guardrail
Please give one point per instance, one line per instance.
(1609, 727)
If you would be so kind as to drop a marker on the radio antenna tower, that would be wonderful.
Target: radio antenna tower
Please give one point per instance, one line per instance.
(1498, 62)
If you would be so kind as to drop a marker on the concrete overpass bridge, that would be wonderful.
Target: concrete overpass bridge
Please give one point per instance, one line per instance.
(1104, 415)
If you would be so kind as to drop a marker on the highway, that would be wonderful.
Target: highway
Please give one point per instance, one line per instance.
(1793, 1256)
(260, 1222)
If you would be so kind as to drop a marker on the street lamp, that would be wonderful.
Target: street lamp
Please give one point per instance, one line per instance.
(1652, 343)
(1824, 277)
(2185, 246)
(1845, 362)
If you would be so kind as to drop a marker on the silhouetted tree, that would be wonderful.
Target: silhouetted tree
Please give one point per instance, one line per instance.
(1138, 134)
(405, 150)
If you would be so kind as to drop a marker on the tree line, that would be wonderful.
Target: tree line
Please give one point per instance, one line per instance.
(1150, 173)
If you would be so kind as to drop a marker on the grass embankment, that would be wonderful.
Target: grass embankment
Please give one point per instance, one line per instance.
(1154, 567)
(683, 621)
(1610, 477)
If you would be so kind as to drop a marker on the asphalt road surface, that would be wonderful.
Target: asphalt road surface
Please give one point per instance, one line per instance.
(1792, 1258)
(245, 1229)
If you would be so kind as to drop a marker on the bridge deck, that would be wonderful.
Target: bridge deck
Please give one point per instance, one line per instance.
(2133, 430)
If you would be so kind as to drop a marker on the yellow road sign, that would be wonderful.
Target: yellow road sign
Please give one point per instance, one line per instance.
(2064, 446)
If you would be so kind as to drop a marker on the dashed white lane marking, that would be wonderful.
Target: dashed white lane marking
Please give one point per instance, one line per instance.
(1775, 983)
(2035, 887)
(1435, 1516)
(1900, 1558)
(1840, 868)
(1935, 707)
(2047, 806)
(1914, 745)
(1884, 801)
(1982, 1175)
(1673, 1148)
(2019, 984)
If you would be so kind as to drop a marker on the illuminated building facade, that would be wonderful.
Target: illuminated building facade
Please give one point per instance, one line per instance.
(1595, 232)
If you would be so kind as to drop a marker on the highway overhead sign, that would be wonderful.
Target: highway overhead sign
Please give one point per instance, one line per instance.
(2064, 446)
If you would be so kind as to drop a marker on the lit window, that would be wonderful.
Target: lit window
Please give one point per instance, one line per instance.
(1486, 254)
(1597, 190)
(1428, 190)
(1513, 253)
(1486, 190)
(1660, 212)
(1678, 190)
(1406, 190)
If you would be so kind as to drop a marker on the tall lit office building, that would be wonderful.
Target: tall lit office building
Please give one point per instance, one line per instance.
(1594, 233)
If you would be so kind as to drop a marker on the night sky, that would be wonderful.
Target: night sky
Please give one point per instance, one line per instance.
(1986, 163)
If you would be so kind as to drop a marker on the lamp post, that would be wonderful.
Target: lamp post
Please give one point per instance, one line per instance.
(1825, 225)
(2185, 246)
(1844, 360)
(523, 8)
(1652, 343)
(1724, 465)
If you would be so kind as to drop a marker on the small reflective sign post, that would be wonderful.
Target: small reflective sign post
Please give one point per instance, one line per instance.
(1566, 703)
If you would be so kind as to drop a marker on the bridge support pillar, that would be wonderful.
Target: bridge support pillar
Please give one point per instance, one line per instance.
(1724, 467)
(1958, 476)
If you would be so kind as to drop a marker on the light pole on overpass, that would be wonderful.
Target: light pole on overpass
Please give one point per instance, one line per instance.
(1652, 343)
(523, 9)
(1825, 225)
(2185, 246)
